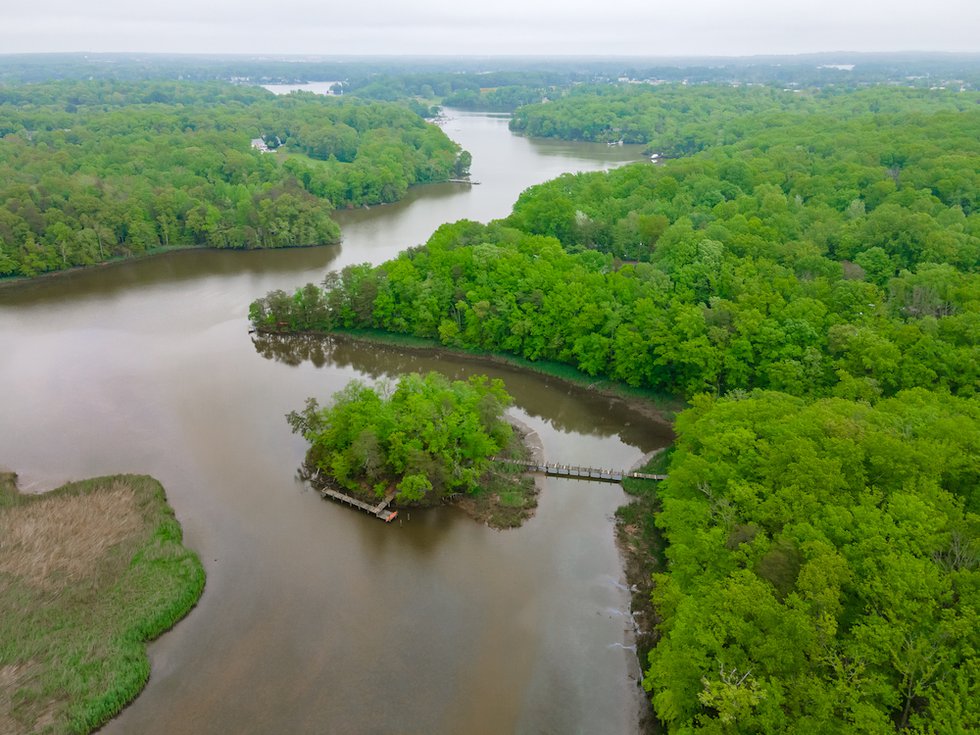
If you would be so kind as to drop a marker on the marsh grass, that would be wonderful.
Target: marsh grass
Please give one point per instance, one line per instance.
(507, 495)
(88, 574)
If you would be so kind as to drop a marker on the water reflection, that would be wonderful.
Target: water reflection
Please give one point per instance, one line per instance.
(170, 270)
(430, 192)
(566, 407)
(592, 151)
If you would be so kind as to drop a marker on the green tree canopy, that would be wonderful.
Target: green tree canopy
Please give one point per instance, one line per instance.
(91, 171)
(822, 567)
(426, 435)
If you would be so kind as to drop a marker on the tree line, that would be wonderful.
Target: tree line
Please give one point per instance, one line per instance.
(680, 120)
(838, 69)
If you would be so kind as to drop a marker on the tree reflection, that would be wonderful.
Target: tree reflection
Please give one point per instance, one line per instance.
(567, 407)
(294, 350)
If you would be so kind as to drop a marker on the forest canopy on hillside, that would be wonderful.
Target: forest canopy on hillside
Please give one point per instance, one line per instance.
(91, 171)
(847, 265)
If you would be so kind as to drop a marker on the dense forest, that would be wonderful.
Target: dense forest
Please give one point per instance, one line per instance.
(91, 171)
(808, 278)
(678, 120)
(822, 566)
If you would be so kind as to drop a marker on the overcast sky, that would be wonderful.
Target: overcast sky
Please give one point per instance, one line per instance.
(626, 27)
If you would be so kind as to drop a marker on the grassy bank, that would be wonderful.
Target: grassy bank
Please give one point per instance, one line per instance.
(88, 574)
(508, 495)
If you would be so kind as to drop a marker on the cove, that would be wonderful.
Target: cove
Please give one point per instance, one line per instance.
(316, 619)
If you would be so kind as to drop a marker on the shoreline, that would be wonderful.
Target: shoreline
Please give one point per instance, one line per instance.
(14, 281)
(20, 281)
(641, 548)
(658, 408)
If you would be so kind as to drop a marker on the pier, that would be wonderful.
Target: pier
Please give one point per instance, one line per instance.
(576, 472)
(378, 511)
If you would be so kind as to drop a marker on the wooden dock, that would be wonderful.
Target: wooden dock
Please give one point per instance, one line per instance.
(378, 511)
(574, 472)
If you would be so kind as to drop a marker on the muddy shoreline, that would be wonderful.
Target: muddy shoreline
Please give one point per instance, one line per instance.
(639, 579)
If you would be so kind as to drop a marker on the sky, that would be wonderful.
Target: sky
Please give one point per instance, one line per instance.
(489, 27)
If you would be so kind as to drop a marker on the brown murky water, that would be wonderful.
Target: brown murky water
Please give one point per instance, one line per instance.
(318, 619)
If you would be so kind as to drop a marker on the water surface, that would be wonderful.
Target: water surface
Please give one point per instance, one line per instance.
(315, 87)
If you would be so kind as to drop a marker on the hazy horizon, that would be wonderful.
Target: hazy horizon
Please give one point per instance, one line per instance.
(633, 28)
(356, 56)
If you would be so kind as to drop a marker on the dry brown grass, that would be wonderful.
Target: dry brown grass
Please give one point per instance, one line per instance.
(59, 540)
(13, 678)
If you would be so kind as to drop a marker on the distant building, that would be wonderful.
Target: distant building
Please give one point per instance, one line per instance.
(259, 145)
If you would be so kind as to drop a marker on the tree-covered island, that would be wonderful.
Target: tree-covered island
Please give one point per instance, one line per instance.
(429, 438)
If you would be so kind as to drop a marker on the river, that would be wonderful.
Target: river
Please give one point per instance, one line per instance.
(317, 618)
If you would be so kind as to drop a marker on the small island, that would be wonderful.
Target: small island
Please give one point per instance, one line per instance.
(424, 440)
